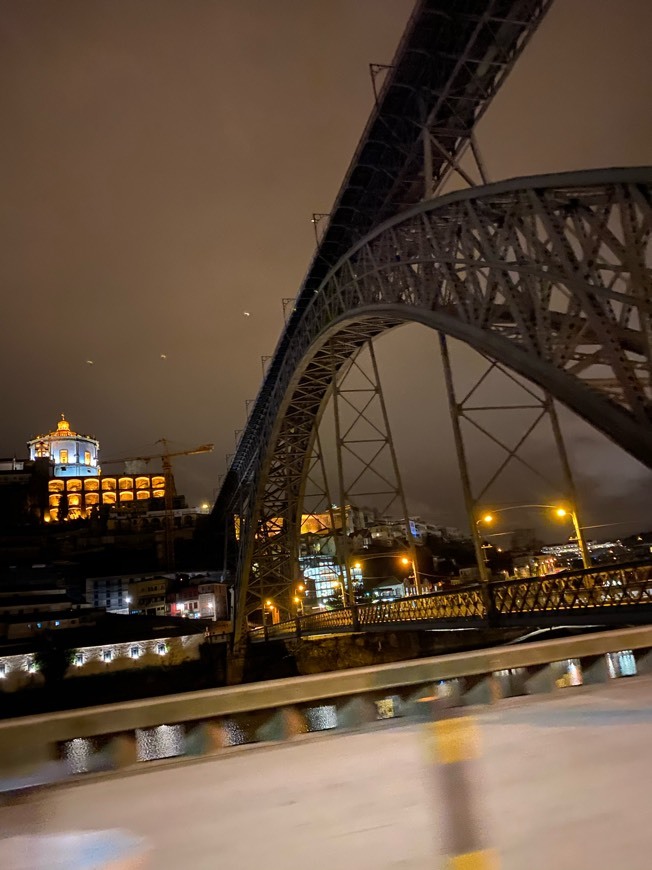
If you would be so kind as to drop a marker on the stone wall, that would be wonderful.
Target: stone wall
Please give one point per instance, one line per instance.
(20, 671)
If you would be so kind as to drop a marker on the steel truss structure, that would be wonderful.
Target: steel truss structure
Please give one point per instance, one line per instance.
(451, 62)
(550, 276)
(539, 408)
(609, 596)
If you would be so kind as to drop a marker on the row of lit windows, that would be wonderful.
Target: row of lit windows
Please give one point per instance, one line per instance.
(109, 484)
(92, 498)
(63, 457)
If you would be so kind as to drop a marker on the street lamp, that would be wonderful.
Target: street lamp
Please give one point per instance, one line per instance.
(405, 560)
(273, 611)
(560, 512)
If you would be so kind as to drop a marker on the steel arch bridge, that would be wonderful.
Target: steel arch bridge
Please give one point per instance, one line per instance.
(551, 276)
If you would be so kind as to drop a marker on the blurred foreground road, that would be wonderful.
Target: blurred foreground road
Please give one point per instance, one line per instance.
(565, 778)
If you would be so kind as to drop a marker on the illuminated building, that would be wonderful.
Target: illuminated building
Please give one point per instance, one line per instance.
(326, 575)
(74, 455)
(79, 481)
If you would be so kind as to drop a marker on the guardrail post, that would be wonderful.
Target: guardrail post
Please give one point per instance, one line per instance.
(205, 738)
(297, 627)
(481, 689)
(123, 749)
(594, 669)
(356, 712)
(284, 724)
(643, 658)
(355, 618)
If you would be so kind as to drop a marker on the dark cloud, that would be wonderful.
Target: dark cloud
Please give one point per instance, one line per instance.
(159, 165)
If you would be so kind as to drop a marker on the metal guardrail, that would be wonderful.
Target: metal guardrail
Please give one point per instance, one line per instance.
(609, 595)
(105, 739)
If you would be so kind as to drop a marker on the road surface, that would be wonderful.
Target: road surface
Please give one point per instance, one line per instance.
(565, 781)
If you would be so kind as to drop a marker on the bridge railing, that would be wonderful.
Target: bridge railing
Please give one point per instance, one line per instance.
(572, 595)
(620, 586)
(466, 603)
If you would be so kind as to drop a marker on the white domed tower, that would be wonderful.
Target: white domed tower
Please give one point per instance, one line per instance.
(73, 455)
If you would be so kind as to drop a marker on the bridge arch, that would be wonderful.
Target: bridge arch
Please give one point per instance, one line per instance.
(551, 276)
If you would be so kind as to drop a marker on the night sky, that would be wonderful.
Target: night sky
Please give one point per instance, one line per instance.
(159, 165)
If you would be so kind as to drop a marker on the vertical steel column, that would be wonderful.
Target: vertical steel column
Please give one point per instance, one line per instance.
(293, 534)
(479, 162)
(568, 477)
(397, 473)
(344, 545)
(461, 459)
(427, 155)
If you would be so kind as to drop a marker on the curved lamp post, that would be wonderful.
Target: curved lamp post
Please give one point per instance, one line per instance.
(560, 512)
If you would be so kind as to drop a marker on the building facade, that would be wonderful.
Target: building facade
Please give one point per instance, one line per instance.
(77, 485)
(74, 455)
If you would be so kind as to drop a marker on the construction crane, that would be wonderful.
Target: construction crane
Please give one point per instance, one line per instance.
(166, 460)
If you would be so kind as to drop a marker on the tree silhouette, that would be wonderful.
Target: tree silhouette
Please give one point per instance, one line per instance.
(63, 507)
(53, 657)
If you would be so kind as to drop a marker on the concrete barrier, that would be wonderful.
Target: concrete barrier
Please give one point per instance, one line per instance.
(209, 720)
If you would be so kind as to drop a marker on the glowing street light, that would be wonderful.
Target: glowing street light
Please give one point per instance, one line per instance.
(560, 512)
(406, 560)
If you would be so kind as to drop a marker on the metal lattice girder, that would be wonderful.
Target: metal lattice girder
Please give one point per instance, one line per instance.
(550, 276)
(451, 62)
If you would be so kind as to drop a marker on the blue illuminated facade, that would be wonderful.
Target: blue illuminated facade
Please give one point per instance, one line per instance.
(74, 455)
